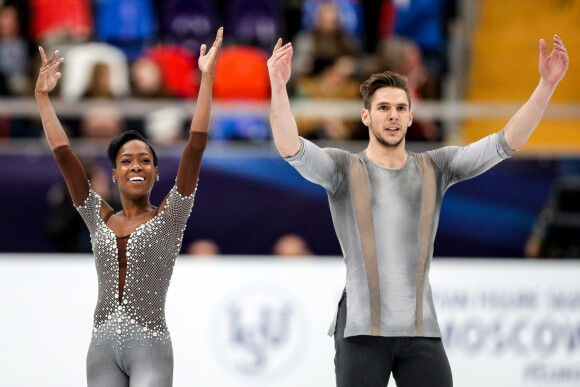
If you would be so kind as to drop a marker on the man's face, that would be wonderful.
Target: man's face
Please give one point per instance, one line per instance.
(389, 117)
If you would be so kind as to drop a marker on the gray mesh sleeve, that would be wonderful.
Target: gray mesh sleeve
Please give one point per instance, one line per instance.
(325, 167)
(178, 208)
(462, 163)
(90, 210)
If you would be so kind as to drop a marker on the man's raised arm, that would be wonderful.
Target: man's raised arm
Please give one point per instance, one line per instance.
(284, 129)
(552, 69)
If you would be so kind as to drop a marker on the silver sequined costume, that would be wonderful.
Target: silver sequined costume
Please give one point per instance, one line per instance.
(151, 252)
(131, 343)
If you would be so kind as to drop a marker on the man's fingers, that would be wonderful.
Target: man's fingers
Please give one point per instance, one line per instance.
(278, 56)
(542, 47)
(282, 56)
(560, 47)
(278, 49)
(278, 45)
(282, 50)
(279, 52)
(289, 51)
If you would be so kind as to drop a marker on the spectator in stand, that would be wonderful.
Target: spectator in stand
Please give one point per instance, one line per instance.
(99, 86)
(555, 231)
(179, 76)
(326, 42)
(403, 56)
(95, 69)
(146, 79)
(13, 54)
(425, 22)
(60, 22)
(166, 125)
(64, 225)
(102, 122)
(203, 248)
(335, 79)
(291, 245)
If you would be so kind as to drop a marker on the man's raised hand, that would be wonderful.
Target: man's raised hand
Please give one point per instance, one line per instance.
(553, 66)
(279, 64)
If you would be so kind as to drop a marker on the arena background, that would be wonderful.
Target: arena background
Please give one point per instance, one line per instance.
(507, 320)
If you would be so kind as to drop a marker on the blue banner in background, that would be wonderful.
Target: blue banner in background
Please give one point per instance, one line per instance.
(246, 200)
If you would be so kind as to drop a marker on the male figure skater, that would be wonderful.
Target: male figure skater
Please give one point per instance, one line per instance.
(385, 204)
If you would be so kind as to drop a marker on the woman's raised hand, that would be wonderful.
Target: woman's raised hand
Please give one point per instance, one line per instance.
(207, 60)
(48, 75)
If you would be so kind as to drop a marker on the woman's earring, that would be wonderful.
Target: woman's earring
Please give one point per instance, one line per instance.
(157, 178)
(114, 181)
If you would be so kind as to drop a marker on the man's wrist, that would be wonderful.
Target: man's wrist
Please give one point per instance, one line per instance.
(278, 88)
(547, 85)
(40, 94)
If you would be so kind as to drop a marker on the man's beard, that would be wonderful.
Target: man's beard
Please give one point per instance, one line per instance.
(382, 140)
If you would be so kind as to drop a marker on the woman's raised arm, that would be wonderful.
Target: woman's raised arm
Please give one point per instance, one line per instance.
(69, 164)
(191, 159)
(48, 77)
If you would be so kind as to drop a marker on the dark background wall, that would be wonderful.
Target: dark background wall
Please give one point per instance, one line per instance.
(246, 199)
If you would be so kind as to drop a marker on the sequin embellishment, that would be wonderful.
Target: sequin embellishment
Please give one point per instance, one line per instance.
(151, 252)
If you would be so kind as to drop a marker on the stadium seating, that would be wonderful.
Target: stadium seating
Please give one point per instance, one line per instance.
(128, 24)
(178, 68)
(189, 23)
(60, 18)
(79, 65)
(504, 65)
(254, 22)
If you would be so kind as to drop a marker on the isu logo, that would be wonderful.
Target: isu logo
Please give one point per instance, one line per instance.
(260, 332)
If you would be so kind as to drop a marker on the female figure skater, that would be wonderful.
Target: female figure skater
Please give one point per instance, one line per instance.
(135, 249)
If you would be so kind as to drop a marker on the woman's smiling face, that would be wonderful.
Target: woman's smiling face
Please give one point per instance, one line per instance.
(135, 172)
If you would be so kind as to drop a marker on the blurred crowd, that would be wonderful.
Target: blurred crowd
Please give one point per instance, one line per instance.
(147, 49)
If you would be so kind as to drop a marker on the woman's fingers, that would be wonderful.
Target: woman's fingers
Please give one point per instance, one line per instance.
(47, 63)
(51, 65)
(219, 37)
(42, 54)
(53, 56)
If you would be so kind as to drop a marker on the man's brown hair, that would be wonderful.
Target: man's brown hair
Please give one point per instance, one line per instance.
(380, 80)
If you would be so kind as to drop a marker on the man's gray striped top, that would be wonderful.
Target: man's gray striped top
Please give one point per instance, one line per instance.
(386, 220)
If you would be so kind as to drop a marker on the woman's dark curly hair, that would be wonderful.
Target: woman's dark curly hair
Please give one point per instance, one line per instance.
(121, 140)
